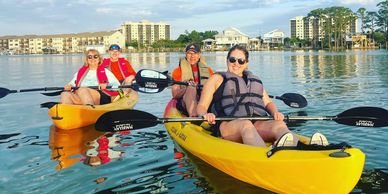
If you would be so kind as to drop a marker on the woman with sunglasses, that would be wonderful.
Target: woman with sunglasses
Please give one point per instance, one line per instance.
(92, 73)
(239, 93)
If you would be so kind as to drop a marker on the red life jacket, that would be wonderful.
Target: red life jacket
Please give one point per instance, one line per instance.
(122, 65)
(101, 76)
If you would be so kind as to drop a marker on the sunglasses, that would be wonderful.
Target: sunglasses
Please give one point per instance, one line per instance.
(93, 56)
(239, 60)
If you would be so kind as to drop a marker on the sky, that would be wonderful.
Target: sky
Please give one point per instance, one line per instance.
(252, 17)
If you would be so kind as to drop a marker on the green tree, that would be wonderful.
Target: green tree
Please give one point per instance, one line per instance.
(134, 44)
(371, 19)
(195, 36)
(382, 20)
(334, 23)
(361, 14)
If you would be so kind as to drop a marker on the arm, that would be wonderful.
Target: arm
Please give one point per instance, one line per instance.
(177, 90)
(208, 91)
(271, 107)
(71, 83)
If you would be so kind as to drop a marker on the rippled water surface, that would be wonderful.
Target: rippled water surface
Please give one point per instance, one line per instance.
(38, 158)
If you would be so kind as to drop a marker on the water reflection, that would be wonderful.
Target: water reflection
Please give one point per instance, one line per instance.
(69, 146)
(211, 180)
(373, 181)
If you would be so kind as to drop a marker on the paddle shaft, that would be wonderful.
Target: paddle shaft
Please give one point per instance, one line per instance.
(121, 120)
(62, 88)
(263, 118)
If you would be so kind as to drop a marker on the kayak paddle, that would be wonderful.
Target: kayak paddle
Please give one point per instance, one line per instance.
(122, 120)
(157, 80)
(5, 91)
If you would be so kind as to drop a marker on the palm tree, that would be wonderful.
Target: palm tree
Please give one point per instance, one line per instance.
(382, 19)
(371, 19)
(361, 14)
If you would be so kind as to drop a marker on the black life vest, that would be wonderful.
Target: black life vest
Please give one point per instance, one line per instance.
(238, 98)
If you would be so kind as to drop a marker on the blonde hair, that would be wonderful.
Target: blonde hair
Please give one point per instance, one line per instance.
(92, 51)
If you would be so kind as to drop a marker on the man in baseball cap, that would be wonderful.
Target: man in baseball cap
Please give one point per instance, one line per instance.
(193, 47)
(193, 70)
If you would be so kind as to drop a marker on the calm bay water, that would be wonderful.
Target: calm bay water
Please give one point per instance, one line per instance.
(37, 158)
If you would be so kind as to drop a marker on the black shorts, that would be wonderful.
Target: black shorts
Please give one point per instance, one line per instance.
(104, 98)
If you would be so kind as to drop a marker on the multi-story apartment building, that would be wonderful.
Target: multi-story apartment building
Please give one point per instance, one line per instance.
(145, 32)
(297, 27)
(311, 28)
(60, 43)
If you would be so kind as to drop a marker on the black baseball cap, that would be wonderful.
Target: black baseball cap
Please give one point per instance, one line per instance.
(114, 47)
(193, 47)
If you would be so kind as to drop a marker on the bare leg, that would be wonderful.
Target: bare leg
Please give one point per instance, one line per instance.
(272, 130)
(241, 131)
(89, 96)
(70, 98)
(190, 100)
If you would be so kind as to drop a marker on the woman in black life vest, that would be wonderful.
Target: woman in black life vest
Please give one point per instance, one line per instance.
(239, 93)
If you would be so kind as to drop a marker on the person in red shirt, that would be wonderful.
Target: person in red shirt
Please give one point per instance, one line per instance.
(121, 68)
(194, 70)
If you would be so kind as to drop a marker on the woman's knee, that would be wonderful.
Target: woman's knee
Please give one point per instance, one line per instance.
(247, 126)
(82, 91)
(65, 96)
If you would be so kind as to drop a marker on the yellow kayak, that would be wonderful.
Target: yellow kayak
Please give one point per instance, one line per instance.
(286, 171)
(66, 116)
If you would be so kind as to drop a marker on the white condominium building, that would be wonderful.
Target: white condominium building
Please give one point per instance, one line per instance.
(60, 43)
(311, 27)
(145, 32)
(297, 27)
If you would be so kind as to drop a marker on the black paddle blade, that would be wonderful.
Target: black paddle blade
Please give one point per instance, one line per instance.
(124, 120)
(364, 117)
(48, 104)
(152, 79)
(56, 93)
(294, 100)
(4, 92)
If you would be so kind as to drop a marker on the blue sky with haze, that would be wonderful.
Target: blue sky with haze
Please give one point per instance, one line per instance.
(253, 17)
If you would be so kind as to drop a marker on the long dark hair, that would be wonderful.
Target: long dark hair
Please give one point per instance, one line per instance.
(241, 48)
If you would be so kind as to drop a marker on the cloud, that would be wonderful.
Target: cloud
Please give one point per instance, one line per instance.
(360, 2)
(104, 10)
